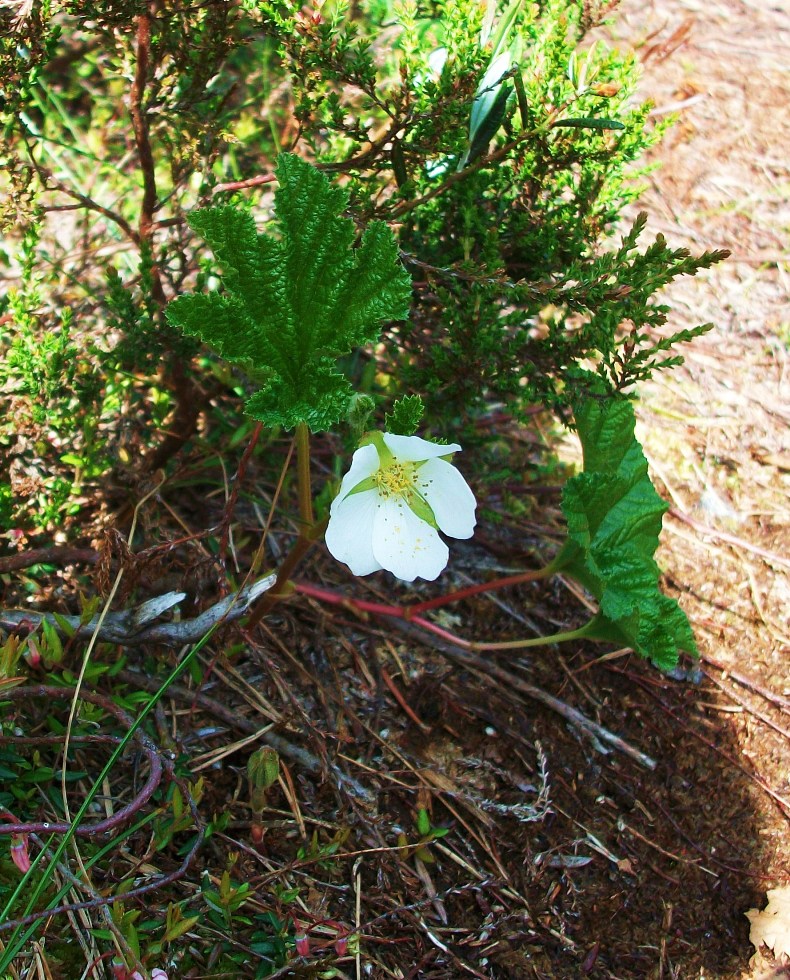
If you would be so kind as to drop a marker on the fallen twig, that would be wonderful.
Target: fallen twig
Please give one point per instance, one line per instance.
(770, 556)
(133, 627)
(748, 683)
(43, 556)
(732, 693)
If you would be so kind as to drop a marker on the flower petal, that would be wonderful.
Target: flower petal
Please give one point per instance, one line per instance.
(448, 494)
(413, 449)
(364, 463)
(405, 545)
(349, 534)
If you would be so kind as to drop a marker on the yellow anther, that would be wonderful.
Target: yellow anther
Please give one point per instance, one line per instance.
(396, 480)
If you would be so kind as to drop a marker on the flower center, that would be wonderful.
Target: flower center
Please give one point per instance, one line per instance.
(396, 480)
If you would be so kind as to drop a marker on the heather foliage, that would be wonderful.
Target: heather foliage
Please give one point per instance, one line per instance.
(498, 145)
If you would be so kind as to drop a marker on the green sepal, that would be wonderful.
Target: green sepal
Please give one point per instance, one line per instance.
(369, 483)
(423, 510)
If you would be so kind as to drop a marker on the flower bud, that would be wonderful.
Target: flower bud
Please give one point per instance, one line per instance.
(19, 852)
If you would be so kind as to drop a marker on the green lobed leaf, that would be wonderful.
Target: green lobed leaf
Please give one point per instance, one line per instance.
(614, 517)
(292, 304)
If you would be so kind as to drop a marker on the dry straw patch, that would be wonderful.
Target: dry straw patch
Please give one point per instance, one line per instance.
(716, 430)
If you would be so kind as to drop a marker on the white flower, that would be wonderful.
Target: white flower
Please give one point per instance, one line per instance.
(398, 494)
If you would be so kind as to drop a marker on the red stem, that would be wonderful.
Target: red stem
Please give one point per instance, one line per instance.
(380, 609)
(411, 612)
(533, 575)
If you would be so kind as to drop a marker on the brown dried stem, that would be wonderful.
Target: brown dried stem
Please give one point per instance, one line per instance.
(140, 126)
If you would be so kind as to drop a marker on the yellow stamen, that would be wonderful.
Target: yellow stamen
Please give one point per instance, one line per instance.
(396, 480)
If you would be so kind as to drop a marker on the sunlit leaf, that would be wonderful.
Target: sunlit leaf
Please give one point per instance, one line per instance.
(614, 520)
(292, 304)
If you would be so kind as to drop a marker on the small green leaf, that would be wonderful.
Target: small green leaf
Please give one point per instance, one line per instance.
(398, 160)
(64, 624)
(51, 647)
(71, 459)
(263, 767)
(294, 303)
(589, 122)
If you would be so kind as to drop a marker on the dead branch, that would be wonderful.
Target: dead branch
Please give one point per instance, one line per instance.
(133, 627)
(64, 555)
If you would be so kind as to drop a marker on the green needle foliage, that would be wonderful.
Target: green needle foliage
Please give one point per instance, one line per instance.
(493, 138)
(293, 304)
(614, 521)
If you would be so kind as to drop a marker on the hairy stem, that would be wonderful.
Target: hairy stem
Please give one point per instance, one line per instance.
(303, 477)
(309, 531)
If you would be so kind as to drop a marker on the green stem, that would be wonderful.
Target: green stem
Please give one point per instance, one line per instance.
(309, 531)
(535, 641)
(521, 96)
(303, 477)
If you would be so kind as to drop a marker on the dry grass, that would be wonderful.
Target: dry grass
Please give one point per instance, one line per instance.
(716, 430)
